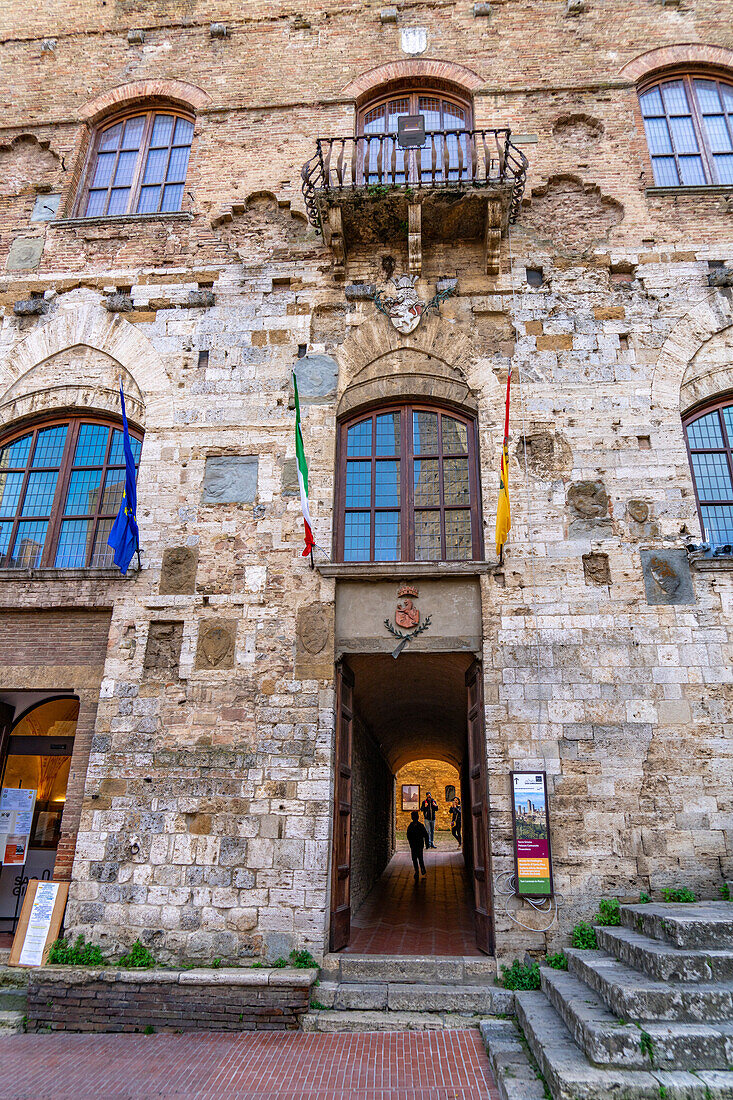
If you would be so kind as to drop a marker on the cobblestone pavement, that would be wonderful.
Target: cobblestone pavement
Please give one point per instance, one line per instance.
(439, 1065)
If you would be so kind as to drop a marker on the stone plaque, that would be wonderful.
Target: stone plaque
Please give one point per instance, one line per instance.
(163, 649)
(314, 641)
(588, 499)
(317, 376)
(230, 479)
(216, 643)
(596, 569)
(178, 574)
(290, 486)
(25, 254)
(45, 208)
(638, 510)
(667, 577)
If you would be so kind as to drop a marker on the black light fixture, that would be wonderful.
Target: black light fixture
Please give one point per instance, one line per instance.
(411, 131)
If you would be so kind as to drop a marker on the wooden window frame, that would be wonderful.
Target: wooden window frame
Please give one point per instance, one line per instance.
(407, 502)
(688, 78)
(149, 114)
(65, 468)
(690, 418)
(414, 93)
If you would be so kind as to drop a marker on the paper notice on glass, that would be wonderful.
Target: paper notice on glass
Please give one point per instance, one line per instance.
(16, 821)
(39, 924)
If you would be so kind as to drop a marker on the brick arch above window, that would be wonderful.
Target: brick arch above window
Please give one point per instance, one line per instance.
(174, 92)
(371, 83)
(685, 55)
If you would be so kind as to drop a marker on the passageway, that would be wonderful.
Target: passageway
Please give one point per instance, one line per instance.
(410, 720)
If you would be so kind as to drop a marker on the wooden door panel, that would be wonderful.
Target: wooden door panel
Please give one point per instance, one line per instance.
(341, 855)
(479, 801)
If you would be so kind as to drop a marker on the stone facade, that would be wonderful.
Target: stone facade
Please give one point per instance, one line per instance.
(205, 821)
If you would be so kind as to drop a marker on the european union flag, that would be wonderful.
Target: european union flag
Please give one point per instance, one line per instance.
(124, 537)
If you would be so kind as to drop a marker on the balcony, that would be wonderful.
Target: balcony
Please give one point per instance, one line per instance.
(457, 185)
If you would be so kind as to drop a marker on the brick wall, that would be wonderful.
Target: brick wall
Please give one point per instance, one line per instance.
(78, 1000)
(429, 775)
(60, 650)
(371, 815)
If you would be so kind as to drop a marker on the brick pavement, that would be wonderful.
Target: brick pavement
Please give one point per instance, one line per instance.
(439, 1065)
(432, 917)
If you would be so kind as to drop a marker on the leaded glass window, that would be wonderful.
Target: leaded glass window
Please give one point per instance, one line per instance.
(60, 489)
(138, 166)
(688, 122)
(709, 439)
(408, 487)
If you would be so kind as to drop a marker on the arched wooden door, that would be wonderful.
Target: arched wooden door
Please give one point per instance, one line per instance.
(341, 856)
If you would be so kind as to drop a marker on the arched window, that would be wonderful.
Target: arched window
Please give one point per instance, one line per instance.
(138, 165)
(61, 487)
(709, 437)
(688, 121)
(408, 486)
(447, 118)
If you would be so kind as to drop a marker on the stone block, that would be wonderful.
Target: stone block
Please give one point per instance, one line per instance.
(667, 578)
(230, 479)
(290, 484)
(46, 207)
(588, 500)
(314, 652)
(596, 569)
(25, 254)
(317, 377)
(216, 643)
(178, 572)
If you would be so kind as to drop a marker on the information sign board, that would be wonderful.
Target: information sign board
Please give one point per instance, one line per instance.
(16, 821)
(531, 819)
(40, 922)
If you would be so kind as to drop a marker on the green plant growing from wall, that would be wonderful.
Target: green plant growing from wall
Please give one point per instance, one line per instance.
(584, 936)
(724, 891)
(558, 961)
(138, 957)
(644, 898)
(678, 893)
(64, 953)
(521, 975)
(609, 912)
(303, 960)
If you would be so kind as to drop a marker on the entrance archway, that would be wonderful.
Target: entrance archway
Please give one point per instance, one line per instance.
(391, 713)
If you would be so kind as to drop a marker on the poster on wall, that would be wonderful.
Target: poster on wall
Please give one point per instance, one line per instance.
(410, 796)
(16, 820)
(530, 816)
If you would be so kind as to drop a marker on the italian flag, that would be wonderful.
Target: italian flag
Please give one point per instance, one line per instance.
(302, 474)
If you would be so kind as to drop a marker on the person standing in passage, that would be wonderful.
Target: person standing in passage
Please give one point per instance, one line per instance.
(455, 818)
(429, 808)
(417, 838)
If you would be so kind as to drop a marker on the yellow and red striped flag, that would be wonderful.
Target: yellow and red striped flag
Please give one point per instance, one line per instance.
(503, 509)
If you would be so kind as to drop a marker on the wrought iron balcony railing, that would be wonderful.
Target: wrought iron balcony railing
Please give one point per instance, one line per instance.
(448, 159)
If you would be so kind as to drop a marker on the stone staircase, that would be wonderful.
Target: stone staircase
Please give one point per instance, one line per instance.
(647, 1016)
(404, 993)
(13, 999)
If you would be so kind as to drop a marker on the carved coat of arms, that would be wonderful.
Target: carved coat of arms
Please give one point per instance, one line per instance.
(405, 308)
(406, 616)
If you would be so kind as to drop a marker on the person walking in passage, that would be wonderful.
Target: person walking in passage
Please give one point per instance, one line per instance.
(455, 819)
(417, 838)
(429, 808)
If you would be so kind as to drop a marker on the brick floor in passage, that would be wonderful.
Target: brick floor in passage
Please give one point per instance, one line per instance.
(431, 917)
(437, 1065)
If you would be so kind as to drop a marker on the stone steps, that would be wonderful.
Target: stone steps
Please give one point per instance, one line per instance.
(641, 1045)
(368, 1020)
(11, 1021)
(516, 1078)
(571, 1076)
(663, 961)
(13, 998)
(635, 996)
(699, 926)
(452, 969)
(413, 997)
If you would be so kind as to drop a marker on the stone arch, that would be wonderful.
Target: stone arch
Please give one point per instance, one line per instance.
(35, 375)
(666, 57)
(138, 91)
(368, 83)
(708, 317)
(377, 363)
